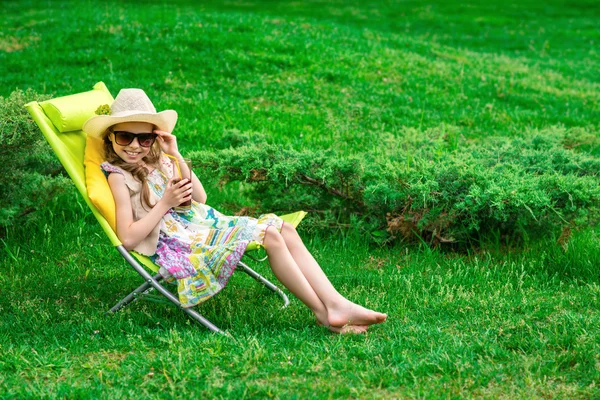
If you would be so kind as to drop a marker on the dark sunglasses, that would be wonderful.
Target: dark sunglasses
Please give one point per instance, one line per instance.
(123, 138)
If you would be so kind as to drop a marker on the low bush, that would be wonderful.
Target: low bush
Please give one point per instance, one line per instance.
(31, 173)
(432, 186)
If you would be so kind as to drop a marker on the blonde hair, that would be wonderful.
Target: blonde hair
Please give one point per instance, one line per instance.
(138, 171)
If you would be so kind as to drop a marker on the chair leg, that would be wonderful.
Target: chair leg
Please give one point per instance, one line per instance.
(265, 282)
(150, 281)
(133, 296)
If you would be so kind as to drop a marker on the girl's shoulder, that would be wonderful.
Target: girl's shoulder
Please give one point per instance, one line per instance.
(108, 168)
(132, 183)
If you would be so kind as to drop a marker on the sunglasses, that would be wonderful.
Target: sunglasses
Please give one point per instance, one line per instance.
(123, 138)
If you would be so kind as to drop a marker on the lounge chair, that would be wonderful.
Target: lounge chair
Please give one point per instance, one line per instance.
(60, 120)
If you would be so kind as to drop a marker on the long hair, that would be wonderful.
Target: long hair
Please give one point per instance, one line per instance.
(138, 171)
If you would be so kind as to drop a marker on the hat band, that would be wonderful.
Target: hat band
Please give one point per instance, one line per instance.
(130, 113)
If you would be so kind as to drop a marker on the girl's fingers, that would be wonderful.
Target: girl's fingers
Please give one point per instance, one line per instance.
(163, 135)
(185, 195)
(184, 182)
(186, 192)
(184, 189)
(175, 181)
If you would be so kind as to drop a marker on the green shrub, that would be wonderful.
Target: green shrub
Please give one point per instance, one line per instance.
(31, 173)
(432, 185)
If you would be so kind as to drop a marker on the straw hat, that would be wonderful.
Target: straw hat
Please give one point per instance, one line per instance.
(131, 105)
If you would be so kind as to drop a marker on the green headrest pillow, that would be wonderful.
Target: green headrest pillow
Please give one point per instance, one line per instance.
(68, 113)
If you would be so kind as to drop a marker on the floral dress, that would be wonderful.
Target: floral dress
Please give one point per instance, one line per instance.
(200, 247)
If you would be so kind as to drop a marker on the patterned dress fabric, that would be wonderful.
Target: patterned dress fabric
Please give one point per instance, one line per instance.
(199, 248)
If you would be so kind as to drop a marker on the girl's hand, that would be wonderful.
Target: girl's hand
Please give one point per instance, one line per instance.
(167, 142)
(177, 192)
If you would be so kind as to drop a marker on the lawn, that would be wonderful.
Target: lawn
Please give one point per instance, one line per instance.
(495, 321)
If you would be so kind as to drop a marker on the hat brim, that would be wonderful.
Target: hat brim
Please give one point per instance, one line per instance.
(97, 125)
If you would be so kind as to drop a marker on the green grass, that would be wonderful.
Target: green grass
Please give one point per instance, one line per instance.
(496, 323)
(319, 74)
(488, 325)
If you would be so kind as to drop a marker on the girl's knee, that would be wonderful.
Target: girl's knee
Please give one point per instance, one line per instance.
(288, 228)
(292, 239)
(273, 238)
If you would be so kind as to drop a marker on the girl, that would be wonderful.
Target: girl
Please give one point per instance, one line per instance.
(198, 246)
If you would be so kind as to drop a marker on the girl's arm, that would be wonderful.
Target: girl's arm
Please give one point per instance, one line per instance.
(132, 233)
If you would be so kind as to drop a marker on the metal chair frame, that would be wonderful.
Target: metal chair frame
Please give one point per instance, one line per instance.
(153, 282)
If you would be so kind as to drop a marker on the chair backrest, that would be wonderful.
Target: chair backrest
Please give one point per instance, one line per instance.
(60, 120)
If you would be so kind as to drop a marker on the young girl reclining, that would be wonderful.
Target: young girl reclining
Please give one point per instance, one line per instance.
(195, 244)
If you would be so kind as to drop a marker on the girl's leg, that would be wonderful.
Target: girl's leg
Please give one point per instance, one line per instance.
(286, 270)
(340, 310)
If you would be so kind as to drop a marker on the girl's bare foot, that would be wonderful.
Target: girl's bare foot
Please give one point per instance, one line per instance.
(352, 314)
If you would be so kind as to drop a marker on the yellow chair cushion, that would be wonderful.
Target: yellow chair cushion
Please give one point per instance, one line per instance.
(68, 113)
(97, 185)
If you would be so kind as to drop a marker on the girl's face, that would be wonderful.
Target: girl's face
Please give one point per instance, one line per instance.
(133, 152)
